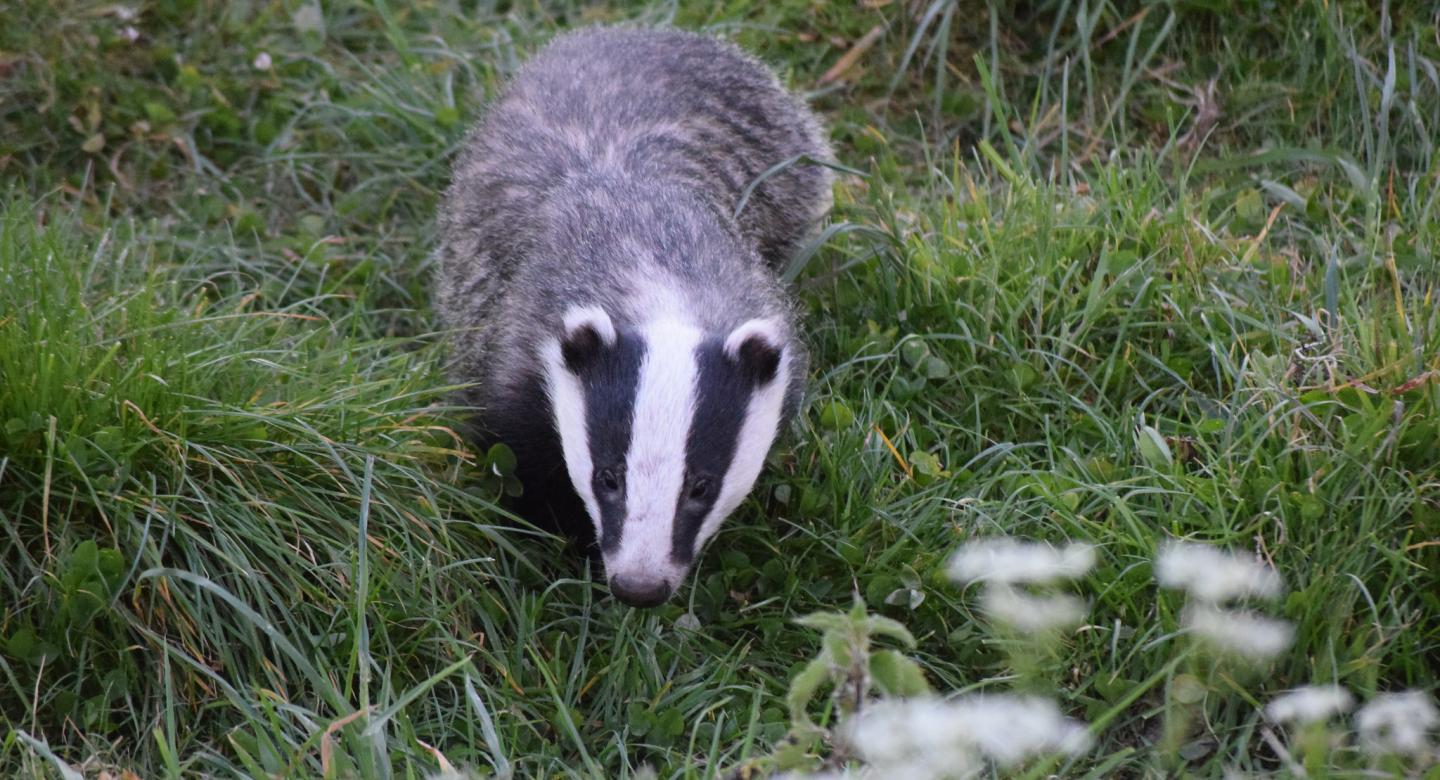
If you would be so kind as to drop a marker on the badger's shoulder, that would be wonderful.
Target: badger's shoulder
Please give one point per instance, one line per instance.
(691, 104)
(652, 103)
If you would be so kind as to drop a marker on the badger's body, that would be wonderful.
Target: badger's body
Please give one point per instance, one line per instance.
(619, 327)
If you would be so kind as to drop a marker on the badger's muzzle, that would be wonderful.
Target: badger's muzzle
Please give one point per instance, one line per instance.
(641, 590)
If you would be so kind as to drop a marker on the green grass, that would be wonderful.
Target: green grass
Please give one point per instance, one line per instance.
(238, 534)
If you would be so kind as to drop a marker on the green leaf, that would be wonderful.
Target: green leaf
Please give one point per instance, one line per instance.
(158, 113)
(824, 621)
(1210, 425)
(802, 690)
(21, 644)
(927, 463)
(837, 648)
(914, 350)
(111, 568)
(795, 756)
(1250, 206)
(83, 564)
(1024, 376)
(640, 719)
(1187, 689)
(897, 675)
(671, 722)
(1153, 447)
(878, 625)
(910, 598)
(1112, 686)
(734, 559)
(836, 416)
(501, 460)
(936, 368)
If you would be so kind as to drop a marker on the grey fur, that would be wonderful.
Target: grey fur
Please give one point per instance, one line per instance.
(614, 158)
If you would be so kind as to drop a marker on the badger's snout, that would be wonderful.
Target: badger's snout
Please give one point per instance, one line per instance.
(641, 590)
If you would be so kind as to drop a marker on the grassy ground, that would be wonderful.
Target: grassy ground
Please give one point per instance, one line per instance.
(1116, 273)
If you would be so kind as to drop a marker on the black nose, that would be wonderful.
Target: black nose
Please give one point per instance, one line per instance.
(640, 591)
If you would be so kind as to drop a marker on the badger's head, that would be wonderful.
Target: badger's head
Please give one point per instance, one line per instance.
(664, 429)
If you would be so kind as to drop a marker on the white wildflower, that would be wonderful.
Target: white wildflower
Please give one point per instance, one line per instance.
(124, 13)
(919, 769)
(1002, 559)
(1031, 614)
(1008, 729)
(947, 738)
(920, 735)
(262, 61)
(1214, 575)
(1239, 632)
(1397, 723)
(130, 34)
(1309, 704)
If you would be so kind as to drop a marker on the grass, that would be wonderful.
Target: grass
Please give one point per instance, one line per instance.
(1078, 295)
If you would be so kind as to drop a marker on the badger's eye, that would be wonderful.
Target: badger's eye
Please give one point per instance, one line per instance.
(699, 489)
(609, 481)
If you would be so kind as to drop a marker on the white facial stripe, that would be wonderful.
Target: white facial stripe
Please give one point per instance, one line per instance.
(762, 422)
(655, 464)
(567, 399)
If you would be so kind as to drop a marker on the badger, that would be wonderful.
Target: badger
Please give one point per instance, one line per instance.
(609, 260)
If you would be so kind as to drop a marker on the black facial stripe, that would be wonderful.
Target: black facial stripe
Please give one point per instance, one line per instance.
(609, 383)
(722, 400)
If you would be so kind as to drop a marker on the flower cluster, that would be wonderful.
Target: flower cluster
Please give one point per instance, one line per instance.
(1398, 724)
(946, 739)
(935, 739)
(931, 738)
(1309, 704)
(1212, 578)
(1390, 725)
(1007, 567)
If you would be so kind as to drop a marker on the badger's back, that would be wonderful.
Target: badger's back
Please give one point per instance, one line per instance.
(654, 103)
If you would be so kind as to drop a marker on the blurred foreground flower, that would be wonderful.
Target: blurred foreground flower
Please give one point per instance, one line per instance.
(1214, 575)
(1397, 723)
(1309, 704)
(1006, 560)
(933, 738)
(1031, 614)
(1011, 571)
(1237, 632)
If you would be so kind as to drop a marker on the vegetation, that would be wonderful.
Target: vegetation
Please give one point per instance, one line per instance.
(1115, 273)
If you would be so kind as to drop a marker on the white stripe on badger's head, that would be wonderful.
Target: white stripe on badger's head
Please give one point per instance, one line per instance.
(590, 377)
(655, 465)
(664, 430)
(756, 352)
(730, 422)
(567, 400)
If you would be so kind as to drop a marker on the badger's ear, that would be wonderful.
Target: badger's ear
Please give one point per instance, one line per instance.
(588, 330)
(755, 347)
